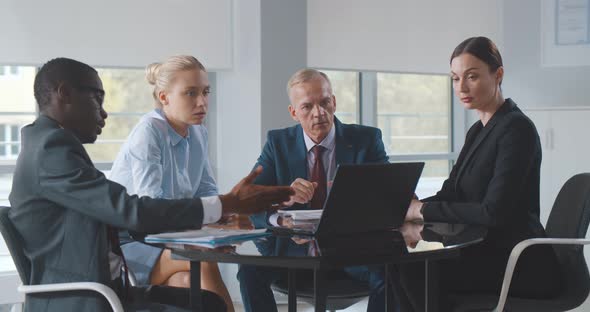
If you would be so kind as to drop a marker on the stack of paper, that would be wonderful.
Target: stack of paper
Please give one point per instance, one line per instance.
(301, 214)
(208, 237)
(423, 245)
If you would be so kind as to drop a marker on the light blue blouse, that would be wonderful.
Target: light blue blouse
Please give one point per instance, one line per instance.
(156, 161)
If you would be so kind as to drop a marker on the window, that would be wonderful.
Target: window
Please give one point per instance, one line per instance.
(15, 139)
(8, 71)
(9, 141)
(127, 97)
(346, 91)
(413, 112)
(17, 108)
(2, 140)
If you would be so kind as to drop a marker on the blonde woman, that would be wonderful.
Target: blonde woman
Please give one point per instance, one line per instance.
(165, 156)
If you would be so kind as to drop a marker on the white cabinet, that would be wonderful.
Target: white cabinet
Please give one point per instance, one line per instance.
(543, 123)
(565, 139)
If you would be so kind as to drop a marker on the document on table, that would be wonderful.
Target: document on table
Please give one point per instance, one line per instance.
(301, 214)
(208, 237)
(423, 245)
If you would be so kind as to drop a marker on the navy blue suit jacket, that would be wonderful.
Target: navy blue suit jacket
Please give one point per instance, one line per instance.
(284, 157)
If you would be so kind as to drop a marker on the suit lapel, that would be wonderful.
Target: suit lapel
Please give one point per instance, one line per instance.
(344, 146)
(480, 137)
(297, 155)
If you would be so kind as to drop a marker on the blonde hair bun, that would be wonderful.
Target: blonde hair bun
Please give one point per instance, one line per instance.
(151, 72)
(161, 75)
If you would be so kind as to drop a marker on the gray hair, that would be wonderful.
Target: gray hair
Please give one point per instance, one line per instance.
(305, 75)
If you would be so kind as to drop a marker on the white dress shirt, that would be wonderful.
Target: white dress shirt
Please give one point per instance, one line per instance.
(328, 160)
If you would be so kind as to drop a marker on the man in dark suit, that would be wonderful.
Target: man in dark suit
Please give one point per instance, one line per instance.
(66, 211)
(305, 157)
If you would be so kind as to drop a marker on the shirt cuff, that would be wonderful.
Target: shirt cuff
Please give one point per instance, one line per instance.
(211, 209)
(274, 219)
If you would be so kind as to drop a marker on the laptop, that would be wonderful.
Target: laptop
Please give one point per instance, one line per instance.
(364, 198)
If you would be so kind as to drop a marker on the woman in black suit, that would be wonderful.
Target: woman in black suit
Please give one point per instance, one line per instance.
(495, 182)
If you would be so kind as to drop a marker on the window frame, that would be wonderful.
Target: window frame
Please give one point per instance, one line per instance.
(10, 71)
(7, 166)
(369, 113)
(367, 107)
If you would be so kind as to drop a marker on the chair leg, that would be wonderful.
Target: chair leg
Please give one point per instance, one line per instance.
(319, 292)
(17, 307)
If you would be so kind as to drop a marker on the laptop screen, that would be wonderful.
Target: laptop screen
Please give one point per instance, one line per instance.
(369, 197)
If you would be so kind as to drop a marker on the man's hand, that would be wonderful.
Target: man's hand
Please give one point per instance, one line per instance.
(248, 198)
(412, 233)
(303, 192)
(414, 213)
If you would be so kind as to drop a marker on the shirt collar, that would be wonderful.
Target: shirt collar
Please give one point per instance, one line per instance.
(329, 142)
(175, 138)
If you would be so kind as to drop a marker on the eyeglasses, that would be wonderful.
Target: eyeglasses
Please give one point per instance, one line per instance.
(96, 93)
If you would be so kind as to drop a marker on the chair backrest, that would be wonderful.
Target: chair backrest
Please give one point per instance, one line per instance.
(569, 218)
(14, 244)
(570, 214)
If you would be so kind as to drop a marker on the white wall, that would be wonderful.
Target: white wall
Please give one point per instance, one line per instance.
(269, 46)
(238, 111)
(130, 33)
(238, 99)
(284, 51)
(526, 80)
(398, 36)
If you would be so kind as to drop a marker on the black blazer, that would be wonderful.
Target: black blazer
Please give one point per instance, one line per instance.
(495, 181)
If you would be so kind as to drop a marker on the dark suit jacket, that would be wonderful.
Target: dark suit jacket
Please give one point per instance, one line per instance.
(284, 157)
(495, 182)
(61, 206)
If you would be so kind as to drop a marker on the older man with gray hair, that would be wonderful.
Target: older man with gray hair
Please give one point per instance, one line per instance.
(305, 157)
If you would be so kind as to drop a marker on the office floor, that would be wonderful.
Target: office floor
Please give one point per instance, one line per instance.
(304, 307)
(362, 307)
(359, 307)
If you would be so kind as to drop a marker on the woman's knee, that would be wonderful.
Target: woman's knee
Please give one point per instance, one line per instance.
(180, 279)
